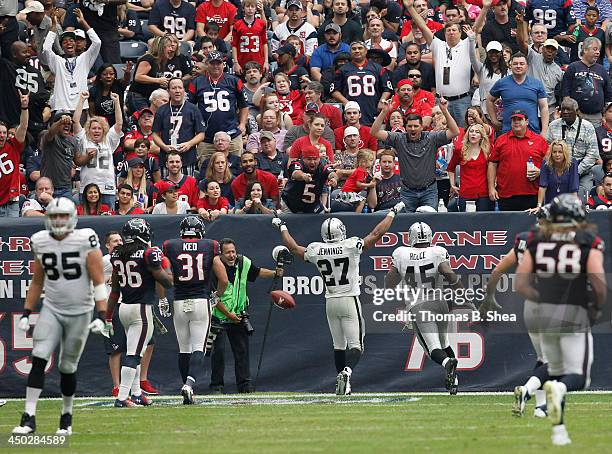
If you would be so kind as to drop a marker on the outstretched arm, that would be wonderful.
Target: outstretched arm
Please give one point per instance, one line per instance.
(382, 227)
(288, 240)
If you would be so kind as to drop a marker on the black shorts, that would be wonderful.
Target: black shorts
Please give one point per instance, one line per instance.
(117, 343)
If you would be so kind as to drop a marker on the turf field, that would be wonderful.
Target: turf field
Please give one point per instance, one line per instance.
(322, 423)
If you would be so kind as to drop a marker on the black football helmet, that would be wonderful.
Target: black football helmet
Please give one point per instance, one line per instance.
(193, 226)
(543, 213)
(136, 229)
(566, 209)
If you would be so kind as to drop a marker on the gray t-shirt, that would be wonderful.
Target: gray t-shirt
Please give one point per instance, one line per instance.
(57, 159)
(8, 8)
(417, 160)
(550, 75)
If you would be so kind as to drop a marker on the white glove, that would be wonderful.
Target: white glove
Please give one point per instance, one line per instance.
(398, 208)
(278, 222)
(97, 326)
(164, 307)
(24, 323)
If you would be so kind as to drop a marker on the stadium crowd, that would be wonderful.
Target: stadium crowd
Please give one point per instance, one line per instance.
(169, 107)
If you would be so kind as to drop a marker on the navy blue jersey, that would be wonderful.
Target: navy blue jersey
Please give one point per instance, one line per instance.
(604, 140)
(176, 21)
(559, 263)
(178, 124)
(302, 197)
(556, 15)
(135, 279)
(520, 244)
(179, 66)
(191, 261)
(219, 103)
(364, 85)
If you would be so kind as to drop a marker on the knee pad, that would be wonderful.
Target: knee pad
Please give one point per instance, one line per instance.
(132, 361)
(68, 384)
(36, 379)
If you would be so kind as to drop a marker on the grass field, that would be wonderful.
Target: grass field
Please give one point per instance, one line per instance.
(322, 423)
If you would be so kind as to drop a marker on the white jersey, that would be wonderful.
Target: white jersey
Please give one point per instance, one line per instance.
(68, 288)
(100, 170)
(306, 32)
(338, 264)
(108, 274)
(418, 268)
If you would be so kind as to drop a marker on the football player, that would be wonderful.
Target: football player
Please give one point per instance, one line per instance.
(422, 266)
(136, 268)
(337, 259)
(68, 266)
(193, 260)
(560, 262)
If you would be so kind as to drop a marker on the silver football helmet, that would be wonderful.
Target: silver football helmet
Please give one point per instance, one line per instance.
(333, 230)
(55, 219)
(420, 233)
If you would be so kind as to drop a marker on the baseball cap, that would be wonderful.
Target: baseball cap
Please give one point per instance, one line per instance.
(215, 55)
(551, 43)
(58, 115)
(66, 35)
(79, 33)
(165, 186)
(333, 27)
(519, 113)
(403, 82)
(352, 105)
(266, 135)
(351, 131)
(291, 3)
(361, 43)
(342, 56)
(145, 110)
(286, 49)
(33, 7)
(135, 162)
(494, 45)
(310, 152)
(311, 107)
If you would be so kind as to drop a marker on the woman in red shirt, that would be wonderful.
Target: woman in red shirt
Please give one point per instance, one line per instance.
(212, 205)
(473, 115)
(91, 205)
(315, 139)
(472, 159)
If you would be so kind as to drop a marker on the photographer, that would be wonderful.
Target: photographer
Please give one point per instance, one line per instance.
(240, 270)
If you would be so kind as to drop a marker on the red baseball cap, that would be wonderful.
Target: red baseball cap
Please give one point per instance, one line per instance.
(310, 152)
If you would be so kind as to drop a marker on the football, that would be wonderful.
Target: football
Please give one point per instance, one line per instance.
(282, 299)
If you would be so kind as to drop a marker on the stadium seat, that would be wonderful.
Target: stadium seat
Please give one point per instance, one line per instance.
(147, 35)
(132, 50)
(186, 49)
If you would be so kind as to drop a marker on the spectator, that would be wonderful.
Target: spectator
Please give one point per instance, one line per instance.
(125, 202)
(10, 150)
(58, 147)
(396, 121)
(351, 29)
(255, 201)
(386, 194)
(586, 29)
(290, 101)
(269, 124)
(253, 73)
(296, 25)
(171, 203)
(249, 174)
(413, 61)
(559, 173)
(221, 141)
(472, 157)
(490, 71)
(376, 41)
(390, 13)
(604, 133)
(581, 8)
(91, 204)
(420, 95)
(143, 130)
(362, 81)
(70, 71)
(307, 178)
(404, 102)
(587, 82)
(519, 91)
(9, 31)
(218, 170)
(97, 144)
(472, 116)
(516, 153)
(140, 182)
(298, 131)
(40, 24)
(102, 16)
(323, 56)
(580, 136)
(158, 98)
(269, 159)
(141, 151)
(314, 138)
(222, 102)
(178, 127)
(328, 75)
(250, 39)
(312, 94)
(600, 197)
(43, 194)
(186, 185)
(212, 204)
(220, 12)
(501, 27)
(128, 24)
(345, 161)
(141, 7)
(269, 101)
(352, 115)
(100, 102)
(175, 17)
(350, 198)
(176, 64)
(422, 9)
(417, 151)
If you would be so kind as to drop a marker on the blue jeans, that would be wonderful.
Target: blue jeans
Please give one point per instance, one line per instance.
(482, 204)
(65, 192)
(10, 210)
(414, 199)
(458, 107)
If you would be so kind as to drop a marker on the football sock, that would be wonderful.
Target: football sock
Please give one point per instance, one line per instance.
(573, 382)
(196, 364)
(135, 388)
(340, 360)
(538, 364)
(532, 385)
(67, 404)
(449, 352)
(127, 377)
(540, 398)
(439, 356)
(32, 395)
(542, 373)
(183, 363)
(36, 381)
(352, 357)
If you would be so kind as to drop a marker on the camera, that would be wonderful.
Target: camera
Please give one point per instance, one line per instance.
(215, 330)
(246, 323)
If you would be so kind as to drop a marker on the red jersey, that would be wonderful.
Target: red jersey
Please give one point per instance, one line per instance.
(358, 175)
(407, 27)
(131, 211)
(458, 141)
(424, 96)
(333, 115)
(187, 189)
(10, 158)
(222, 202)
(298, 146)
(416, 108)
(135, 135)
(368, 141)
(293, 103)
(102, 209)
(268, 182)
(250, 41)
(473, 174)
(223, 15)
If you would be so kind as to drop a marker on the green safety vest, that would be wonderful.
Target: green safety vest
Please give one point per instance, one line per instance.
(235, 296)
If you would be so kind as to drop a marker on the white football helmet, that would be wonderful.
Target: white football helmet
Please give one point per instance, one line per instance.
(60, 226)
(333, 230)
(419, 233)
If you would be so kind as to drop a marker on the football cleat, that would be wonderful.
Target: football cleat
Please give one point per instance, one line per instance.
(148, 388)
(451, 373)
(115, 391)
(540, 412)
(142, 400)
(187, 393)
(554, 400)
(559, 436)
(520, 398)
(127, 403)
(343, 382)
(26, 426)
(455, 388)
(65, 425)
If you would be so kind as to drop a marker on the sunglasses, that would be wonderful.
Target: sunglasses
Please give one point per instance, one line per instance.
(414, 76)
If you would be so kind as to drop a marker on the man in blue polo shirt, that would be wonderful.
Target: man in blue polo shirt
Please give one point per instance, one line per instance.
(518, 91)
(323, 56)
